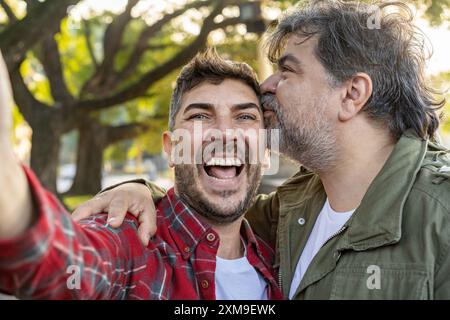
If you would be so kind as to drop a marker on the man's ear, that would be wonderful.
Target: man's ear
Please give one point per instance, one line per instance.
(358, 91)
(167, 145)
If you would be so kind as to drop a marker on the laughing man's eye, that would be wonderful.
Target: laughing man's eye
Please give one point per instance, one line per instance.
(198, 117)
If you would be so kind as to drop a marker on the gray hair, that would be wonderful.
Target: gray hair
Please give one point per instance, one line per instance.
(392, 54)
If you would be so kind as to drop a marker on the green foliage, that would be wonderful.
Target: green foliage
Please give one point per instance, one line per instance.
(17, 117)
(132, 33)
(17, 120)
(117, 152)
(79, 66)
(437, 11)
(34, 75)
(444, 78)
(75, 57)
(72, 202)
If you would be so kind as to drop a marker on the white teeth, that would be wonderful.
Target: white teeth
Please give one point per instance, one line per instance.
(228, 162)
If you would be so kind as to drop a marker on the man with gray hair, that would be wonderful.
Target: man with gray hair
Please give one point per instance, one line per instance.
(368, 214)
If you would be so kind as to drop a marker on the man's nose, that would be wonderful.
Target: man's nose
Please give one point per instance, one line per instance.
(270, 84)
(224, 123)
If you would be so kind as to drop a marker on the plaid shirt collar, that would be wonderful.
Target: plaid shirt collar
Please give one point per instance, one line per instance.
(188, 228)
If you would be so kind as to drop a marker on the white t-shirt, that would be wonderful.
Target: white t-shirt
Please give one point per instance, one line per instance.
(238, 280)
(327, 224)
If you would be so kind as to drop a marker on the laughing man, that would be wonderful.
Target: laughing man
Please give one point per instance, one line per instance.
(203, 249)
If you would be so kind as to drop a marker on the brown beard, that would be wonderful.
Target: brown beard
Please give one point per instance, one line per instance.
(188, 191)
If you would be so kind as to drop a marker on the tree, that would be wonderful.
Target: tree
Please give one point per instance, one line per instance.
(437, 11)
(107, 87)
(111, 61)
(16, 39)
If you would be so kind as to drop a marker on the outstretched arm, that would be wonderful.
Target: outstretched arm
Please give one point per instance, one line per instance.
(15, 215)
(138, 197)
(43, 253)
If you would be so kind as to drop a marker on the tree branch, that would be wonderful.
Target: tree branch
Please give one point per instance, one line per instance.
(31, 4)
(44, 18)
(149, 32)
(11, 16)
(117, 133)
(140, 87)
(111, 46)
(114, 33)
(87, 35)
(27, 103)
(51, 61)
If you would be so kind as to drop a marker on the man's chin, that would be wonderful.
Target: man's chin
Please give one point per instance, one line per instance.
(223, 211)
(221, 207)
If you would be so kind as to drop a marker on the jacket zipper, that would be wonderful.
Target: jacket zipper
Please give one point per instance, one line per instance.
(279, 278)
(335, 234)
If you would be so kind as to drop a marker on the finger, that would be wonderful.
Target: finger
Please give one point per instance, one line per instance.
(93, 206)
(147, 223)
(135, 209)
(117, 211)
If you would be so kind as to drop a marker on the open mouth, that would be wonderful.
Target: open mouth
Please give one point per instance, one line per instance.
(223, 169)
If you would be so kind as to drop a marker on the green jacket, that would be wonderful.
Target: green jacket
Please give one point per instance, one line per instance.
(395, 246)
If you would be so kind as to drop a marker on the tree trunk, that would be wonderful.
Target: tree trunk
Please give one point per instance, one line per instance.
(45, 155)
(94, 138)
(88, 177)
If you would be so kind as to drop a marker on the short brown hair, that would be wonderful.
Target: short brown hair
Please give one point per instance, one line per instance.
(208, 66)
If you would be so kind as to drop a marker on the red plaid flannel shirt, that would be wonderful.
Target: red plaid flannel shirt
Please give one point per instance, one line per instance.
(60, 259)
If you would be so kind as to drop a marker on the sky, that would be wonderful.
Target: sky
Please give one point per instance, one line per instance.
(440, 41)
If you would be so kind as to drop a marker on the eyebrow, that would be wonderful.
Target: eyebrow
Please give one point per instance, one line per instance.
(244, 106)
(289, 57)
(204, 106)
(209, 106)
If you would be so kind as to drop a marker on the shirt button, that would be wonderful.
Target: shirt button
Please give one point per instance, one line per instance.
(210, 237)
(205, 284)
(301, 221)
(187, 249)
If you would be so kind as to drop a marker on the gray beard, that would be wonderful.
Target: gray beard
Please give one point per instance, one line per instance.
(310, 142)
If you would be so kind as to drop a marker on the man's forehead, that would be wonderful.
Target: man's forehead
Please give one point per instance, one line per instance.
(227, 93)
(299, 50)
(297, 45)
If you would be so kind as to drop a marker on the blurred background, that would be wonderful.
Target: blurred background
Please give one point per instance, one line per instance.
(92, 79)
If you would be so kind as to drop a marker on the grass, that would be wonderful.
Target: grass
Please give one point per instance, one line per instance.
(72, 202)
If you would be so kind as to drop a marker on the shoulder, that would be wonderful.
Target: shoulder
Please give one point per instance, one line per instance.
(302, 177)
(300, 187)
(427, 207)
(432, 184)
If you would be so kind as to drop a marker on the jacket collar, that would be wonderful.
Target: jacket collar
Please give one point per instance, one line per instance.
(378, 219)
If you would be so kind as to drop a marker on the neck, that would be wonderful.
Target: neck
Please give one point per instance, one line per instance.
(363, 155)
(230, 246)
